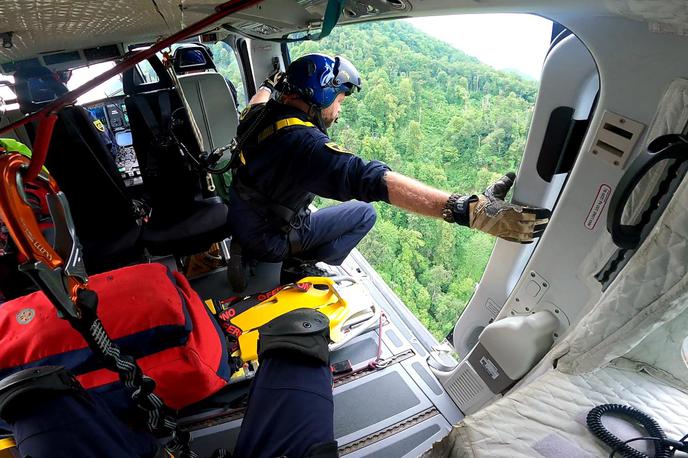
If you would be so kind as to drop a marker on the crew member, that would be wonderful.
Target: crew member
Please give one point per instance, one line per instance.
(286, 159)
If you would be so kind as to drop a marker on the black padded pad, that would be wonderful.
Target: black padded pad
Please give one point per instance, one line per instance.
(192, 232)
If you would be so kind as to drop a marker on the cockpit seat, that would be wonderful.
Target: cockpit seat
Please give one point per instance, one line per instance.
(83, 167)
(191, 232)
(208, 95)
(184, 218)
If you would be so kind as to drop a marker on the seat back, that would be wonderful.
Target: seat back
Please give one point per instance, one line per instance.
(208, 94)
(82, 164)
(84, 169)
(213, 107)
(170, 183)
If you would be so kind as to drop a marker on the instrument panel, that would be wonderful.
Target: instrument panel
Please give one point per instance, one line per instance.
(114, 124)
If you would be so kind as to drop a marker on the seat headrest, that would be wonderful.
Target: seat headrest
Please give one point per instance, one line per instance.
(192, 58)
(35, 86)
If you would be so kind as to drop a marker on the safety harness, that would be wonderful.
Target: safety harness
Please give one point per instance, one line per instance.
(288, 214)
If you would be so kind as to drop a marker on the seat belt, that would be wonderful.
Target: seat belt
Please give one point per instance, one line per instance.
(151, 122)
(139, 209)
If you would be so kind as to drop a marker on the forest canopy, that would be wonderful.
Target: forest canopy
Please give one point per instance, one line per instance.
(443, 117)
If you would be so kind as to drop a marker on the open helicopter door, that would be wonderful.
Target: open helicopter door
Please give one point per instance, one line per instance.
(568, 89)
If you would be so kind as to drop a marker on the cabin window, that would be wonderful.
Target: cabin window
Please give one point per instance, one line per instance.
(435, 112)
(226, 63)
(7, 95)
(110, 88)
(147, 73)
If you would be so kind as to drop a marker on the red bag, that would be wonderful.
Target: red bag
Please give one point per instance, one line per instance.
(152, 314)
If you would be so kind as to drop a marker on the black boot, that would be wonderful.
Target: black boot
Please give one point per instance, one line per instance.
(294, 270)
(238, 268)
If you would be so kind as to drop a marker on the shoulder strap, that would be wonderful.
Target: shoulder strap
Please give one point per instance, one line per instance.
(138, 208)
(149, 118)
(281, 124)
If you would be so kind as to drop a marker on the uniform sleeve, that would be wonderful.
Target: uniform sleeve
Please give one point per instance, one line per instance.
(335, 173)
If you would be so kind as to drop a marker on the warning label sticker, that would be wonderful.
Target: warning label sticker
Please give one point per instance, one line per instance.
(598, 205)
(489, 367)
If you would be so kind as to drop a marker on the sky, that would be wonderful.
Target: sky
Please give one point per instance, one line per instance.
(505, 41)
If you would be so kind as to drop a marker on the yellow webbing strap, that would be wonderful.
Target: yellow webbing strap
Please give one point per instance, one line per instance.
(281, 124)
(274, 128)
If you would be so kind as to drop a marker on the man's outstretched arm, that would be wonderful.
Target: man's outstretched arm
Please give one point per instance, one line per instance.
(414, 196)
(487, 212)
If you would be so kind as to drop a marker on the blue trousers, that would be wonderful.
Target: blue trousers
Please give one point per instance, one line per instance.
(70, 425)
(329, 235)
(334, 231)
(290, 409)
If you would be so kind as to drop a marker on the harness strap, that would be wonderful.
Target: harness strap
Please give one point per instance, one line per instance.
(149, 119)
(283, 216)
(281, 124)
(138, 208)
(273, 129)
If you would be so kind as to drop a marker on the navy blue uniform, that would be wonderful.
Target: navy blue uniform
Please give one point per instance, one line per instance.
(290, 409)
(68, 425)
(286, 167)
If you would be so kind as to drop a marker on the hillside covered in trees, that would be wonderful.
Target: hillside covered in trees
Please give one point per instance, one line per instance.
(436, 114)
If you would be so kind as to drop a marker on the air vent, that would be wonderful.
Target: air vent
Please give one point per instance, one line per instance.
(467, 389)
(254, 28)
(359, 9)
(61, 58)
(616, 138)
(102, 52)
(11, 67)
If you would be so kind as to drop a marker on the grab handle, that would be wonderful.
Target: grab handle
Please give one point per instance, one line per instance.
(666, 147)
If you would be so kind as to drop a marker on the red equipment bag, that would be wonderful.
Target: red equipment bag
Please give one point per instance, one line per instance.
(149, 311)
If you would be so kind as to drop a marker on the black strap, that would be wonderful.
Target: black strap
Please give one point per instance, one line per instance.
(165, 110)
(151, 122)
(160, 417)
(280, 215)
(136, 206)
(295, 245)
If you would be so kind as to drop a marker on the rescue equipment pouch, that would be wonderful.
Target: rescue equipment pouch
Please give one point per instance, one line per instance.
(150, 312)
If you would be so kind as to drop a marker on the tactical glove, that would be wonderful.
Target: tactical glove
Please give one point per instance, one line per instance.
(272, 80)
(489, 213)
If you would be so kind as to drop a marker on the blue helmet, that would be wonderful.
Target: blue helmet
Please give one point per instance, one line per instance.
(318, 78)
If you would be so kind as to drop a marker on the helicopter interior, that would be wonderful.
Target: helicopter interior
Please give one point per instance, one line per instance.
(605, 289)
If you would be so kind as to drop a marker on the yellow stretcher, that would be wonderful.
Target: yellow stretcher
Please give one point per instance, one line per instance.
(343, 299)
(8, 449)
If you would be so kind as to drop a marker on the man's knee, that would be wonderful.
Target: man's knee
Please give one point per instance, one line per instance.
(368, 215)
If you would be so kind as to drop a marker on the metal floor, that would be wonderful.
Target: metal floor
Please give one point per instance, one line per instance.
(397, 411)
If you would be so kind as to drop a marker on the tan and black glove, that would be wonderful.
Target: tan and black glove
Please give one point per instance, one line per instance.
(489, 213)
(272, 81)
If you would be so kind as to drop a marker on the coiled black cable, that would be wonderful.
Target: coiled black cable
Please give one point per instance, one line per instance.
(663, 448)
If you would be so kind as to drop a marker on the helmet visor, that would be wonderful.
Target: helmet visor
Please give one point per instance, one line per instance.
(346, 77)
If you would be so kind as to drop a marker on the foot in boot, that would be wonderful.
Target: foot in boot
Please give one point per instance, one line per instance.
(294, 270)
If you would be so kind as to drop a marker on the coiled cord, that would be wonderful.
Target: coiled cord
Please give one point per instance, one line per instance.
(664, 447)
